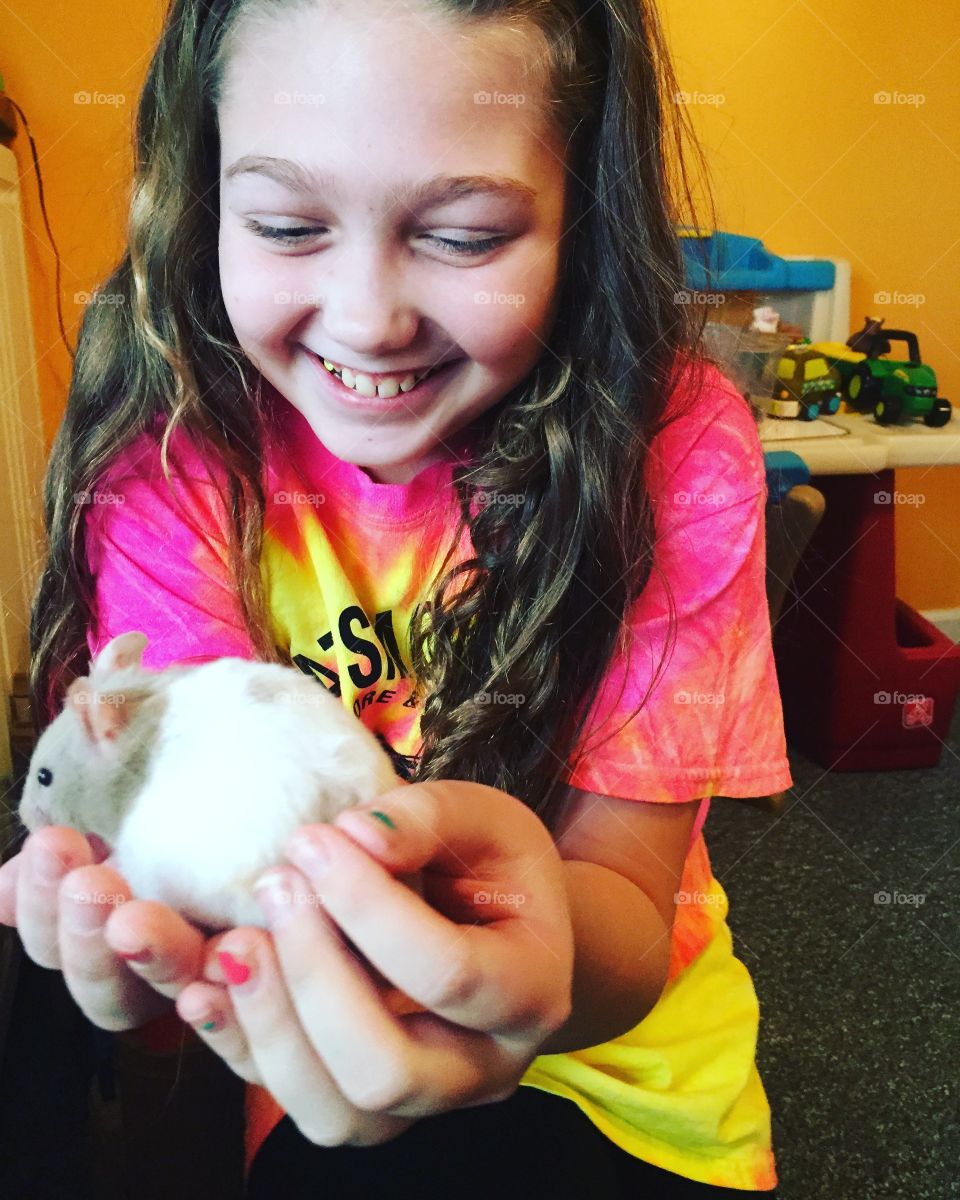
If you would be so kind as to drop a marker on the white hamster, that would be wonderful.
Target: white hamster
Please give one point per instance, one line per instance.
(196, 776)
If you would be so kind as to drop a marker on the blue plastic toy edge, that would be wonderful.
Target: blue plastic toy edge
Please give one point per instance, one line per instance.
(737, 263)
(784, 470)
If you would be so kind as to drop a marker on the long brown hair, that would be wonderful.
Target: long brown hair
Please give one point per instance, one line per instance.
(538, 611)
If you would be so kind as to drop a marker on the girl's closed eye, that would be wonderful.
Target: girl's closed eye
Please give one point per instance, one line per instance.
(292, 234)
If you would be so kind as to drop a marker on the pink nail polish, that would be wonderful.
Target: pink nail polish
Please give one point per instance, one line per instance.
(235, 970)
(141, 956)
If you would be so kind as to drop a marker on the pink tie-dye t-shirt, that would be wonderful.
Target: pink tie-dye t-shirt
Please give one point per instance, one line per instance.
(344, 562)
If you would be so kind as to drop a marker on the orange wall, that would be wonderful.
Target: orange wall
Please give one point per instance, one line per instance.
(49, 52)
(801, 156)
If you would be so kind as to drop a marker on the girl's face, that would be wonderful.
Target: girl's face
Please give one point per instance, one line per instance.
(330, 119)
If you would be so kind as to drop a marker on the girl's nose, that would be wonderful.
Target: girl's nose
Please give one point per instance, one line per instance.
(364, 301)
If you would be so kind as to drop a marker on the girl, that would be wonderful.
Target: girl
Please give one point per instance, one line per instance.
(397, 385)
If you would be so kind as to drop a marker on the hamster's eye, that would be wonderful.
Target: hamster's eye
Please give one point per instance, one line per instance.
(45, 776)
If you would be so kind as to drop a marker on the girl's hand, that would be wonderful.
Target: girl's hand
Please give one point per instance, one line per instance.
(60, 896)
(493, 976)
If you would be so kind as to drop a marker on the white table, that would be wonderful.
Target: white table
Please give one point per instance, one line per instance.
(854, 444)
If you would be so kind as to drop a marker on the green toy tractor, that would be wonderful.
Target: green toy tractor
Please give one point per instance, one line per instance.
(892, 389)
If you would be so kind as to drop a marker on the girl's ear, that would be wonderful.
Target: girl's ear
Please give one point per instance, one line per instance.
(103, 715)
(125, 650)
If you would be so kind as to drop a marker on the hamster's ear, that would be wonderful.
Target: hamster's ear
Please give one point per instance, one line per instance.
(125, 650)
(103, 715)
(79, 696)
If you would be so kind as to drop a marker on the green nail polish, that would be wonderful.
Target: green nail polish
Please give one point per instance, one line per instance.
(382, 816)
(209, 1026)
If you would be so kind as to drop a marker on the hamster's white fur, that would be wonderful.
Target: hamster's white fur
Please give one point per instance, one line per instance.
(197, 776)
(230, 780)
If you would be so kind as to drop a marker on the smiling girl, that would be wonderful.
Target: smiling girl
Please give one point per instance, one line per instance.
(400, 388)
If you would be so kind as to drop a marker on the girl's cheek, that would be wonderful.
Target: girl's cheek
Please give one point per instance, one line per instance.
(504, 329)
(248, 276)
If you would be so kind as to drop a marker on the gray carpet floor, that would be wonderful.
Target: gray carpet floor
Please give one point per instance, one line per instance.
(859, 1044)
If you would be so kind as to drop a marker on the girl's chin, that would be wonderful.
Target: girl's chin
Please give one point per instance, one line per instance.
(393, 472)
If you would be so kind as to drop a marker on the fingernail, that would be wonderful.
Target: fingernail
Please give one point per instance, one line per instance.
(375, 814)
(364, 818)
(382, 816)
(211, 1022)
(235, 970)
(85, 917)
(139, 956)
(100, 848)
(273, 895)
(310, 853)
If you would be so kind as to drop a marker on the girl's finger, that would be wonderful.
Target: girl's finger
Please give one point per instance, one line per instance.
(169, 950)
(465, 973)
(48, 856)
(344, 1013)
(104, 987)
(8, 890)
(209, 1010)
(287, 1062)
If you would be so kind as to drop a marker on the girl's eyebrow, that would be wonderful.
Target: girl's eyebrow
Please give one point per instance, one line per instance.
(431, 192)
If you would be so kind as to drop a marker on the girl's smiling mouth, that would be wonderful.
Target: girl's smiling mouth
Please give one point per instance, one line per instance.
(399, 392)
(386, 383)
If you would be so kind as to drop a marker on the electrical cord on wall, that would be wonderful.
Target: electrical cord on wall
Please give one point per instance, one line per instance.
(43, 209)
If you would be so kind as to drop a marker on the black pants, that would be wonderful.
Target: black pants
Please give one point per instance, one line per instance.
(533, 1146)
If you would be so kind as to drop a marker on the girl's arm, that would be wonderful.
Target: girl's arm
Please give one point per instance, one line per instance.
(622, 861)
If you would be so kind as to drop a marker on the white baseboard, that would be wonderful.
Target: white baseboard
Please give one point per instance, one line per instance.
(947, 620)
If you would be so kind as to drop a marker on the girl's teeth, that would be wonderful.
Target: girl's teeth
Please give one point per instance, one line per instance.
(364, 385)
